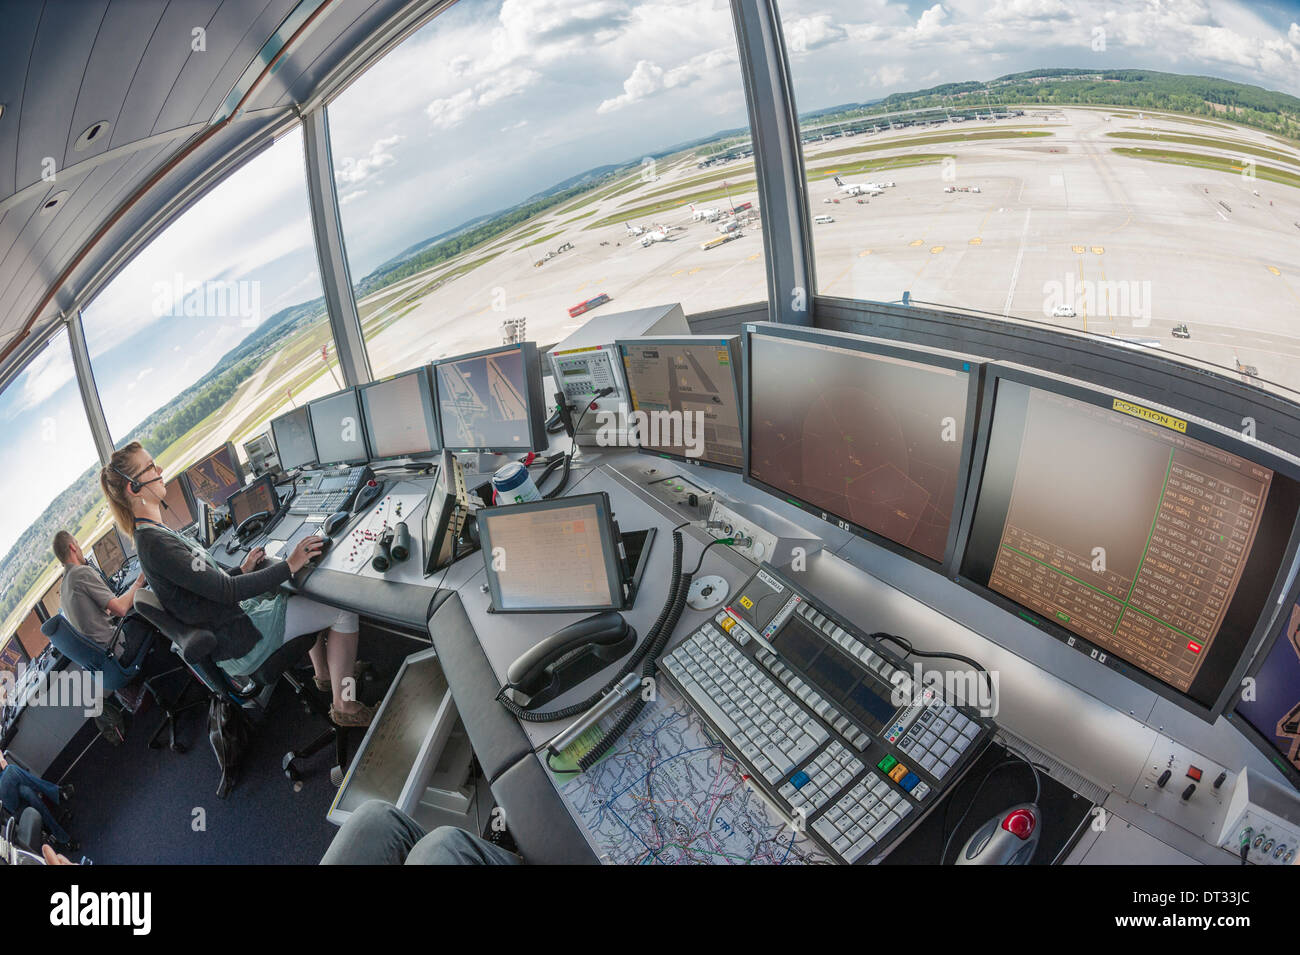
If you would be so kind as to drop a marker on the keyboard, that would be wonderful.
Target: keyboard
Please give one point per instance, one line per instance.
(329, 491)
(825, 719)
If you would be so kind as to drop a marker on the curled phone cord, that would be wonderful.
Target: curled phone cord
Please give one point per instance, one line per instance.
(550, 716)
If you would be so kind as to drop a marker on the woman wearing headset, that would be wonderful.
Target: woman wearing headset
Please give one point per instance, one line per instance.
(249, 623)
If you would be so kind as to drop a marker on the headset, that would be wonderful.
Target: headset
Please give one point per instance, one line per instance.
(135, 483)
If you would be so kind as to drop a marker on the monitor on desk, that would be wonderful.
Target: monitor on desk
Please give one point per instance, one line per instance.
(293, 440)
(336, 429)
(1269, 715)
(873, 436)
(257, 498)
(444, 515)
(51, 600)
(556, 555)
(492, 400)
(178, 511)
(216, 475)
(108, 552)
(1157, 544)
(685, 398)
(399, 416)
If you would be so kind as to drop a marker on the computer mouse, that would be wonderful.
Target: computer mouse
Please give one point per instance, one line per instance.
(334, 522)
(1009, 838)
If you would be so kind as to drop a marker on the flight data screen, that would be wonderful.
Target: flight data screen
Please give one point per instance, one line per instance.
(687, 395)
(1274, 707)
(257, 497)
(108, 553)
(869, 439)
(293, 442)
(176, 514)
(483, 402)
(399, 416)
(547, 557)
(1153, 546)
(216, 477)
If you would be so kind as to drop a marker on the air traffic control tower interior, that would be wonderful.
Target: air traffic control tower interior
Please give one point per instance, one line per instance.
(698, 432)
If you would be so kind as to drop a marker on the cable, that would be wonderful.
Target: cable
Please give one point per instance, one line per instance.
(1015, 759)
(913, 652)
(717, 540)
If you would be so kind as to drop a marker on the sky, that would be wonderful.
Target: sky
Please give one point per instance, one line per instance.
(495, 100)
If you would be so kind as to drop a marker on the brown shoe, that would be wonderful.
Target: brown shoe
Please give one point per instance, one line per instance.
(325, 686)
(360, 717)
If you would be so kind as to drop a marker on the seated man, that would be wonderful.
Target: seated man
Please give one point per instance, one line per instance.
(20, 789)
(90, 604)
(380, 834)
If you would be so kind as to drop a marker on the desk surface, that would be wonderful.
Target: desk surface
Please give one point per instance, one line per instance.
(1040, 683)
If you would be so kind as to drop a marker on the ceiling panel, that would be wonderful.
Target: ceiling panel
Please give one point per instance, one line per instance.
(16, 39)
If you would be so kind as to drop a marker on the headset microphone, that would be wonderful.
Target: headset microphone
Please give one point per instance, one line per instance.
(135, 484)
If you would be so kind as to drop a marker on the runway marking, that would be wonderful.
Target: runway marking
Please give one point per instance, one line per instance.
(1098, 250)
(1015, 273)
(679, 272)
(694, 270)
(977, 240)
(754, 257)
(1275, 270)
(1083, 297)
(916, 242)
(936, 249)
(1077, 249)
(580, 287)
(864, 252)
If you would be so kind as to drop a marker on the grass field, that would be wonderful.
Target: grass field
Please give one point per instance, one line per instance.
(1217, 163)
(1206, 142)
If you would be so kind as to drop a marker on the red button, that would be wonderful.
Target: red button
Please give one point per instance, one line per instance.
(1194, 772)
(1020, 823)
(1193, 646)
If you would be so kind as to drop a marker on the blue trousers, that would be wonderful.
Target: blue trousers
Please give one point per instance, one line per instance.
(19, 789)
(380, 834)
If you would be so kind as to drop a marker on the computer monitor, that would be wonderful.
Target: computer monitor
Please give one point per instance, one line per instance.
(684, 393)
(399, 416)
(178, 514)
(216, 476)
(491, 400)
(1268, 713)
(1154, 542)
(555, 555)
(444, 514)
(873, 436)
(108, 552)
(51, 599)
(257, 498)
(293, 439)
(337, 429)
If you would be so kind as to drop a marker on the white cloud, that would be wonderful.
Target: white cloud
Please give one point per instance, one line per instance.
(1294, 34)
(809, 33)
(888, 76)
(648, 78)
(350, 170)
(453, 110)
(929, 20)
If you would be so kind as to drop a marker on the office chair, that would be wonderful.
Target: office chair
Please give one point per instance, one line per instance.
(92, 657)
(248, 694)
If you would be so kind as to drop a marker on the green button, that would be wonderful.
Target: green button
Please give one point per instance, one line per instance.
(1064, 617)
(886, 764)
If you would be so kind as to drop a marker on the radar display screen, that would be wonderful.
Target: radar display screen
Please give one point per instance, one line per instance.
(486, 402)
(1273, 708)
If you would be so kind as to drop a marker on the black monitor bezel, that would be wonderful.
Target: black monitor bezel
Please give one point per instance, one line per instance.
(1198, 429)
(1260, 740)
(537, 436)
(970, 365)
(438, 551)
(267, 481)
(315, 457)
(361, 422)
(95, 554)
(609, 536)
(187, 492)
(228, 446)
(424, 373)
(734, 348)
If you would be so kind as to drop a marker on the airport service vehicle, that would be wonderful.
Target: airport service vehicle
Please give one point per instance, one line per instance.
(588, 305)
(708, 215)
(822, 220)
(1181, 331)
(1063, 311)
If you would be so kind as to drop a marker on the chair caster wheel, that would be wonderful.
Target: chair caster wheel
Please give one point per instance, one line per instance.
(290, 770)
(336, 776)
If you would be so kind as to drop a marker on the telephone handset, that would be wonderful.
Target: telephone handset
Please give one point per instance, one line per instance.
(248, 528)
(569, 656)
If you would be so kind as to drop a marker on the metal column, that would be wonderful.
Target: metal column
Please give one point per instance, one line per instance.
(89, 393)
(778, 160)
(334, 275)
